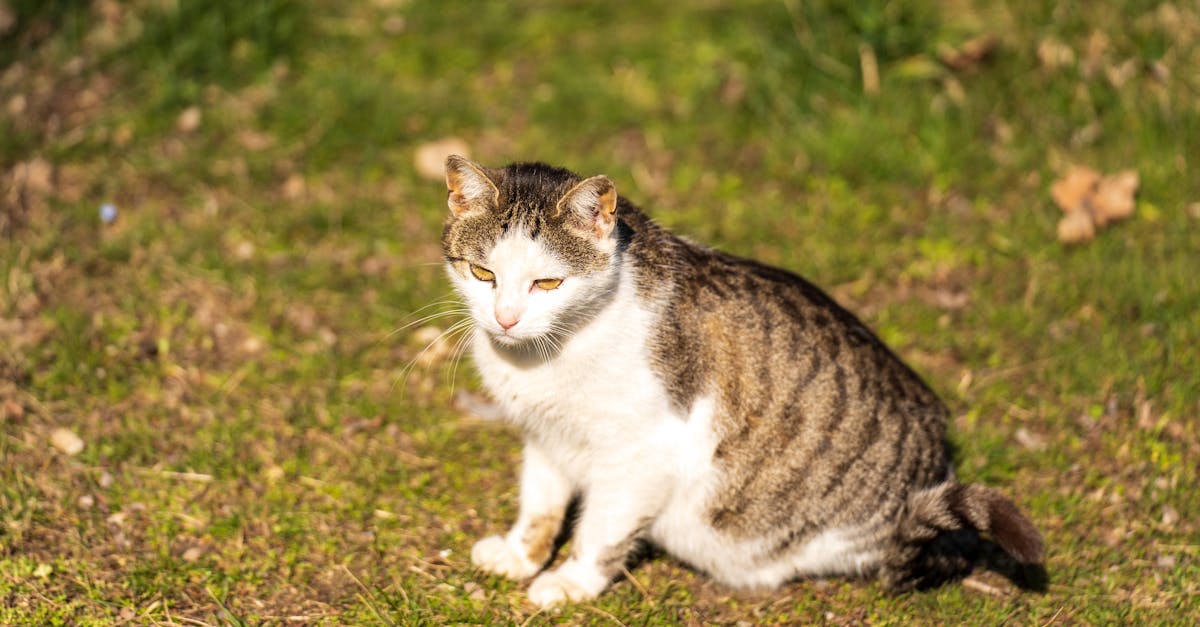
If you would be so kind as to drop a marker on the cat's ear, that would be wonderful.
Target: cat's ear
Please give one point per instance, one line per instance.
(592, 205)
(468, 185)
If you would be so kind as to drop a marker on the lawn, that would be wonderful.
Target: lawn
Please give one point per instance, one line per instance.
(223, 403)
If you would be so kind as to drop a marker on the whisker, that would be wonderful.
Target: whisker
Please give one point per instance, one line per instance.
(435, 304)
(407, 370)
(456, 355)
(447, 297)
(432, 316)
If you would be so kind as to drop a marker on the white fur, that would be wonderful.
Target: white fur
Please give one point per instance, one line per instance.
(599, 422)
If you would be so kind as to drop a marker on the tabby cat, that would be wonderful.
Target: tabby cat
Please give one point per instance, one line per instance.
(726, 411)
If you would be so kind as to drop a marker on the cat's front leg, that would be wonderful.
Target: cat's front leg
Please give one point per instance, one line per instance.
(529, 545)
(614, 517)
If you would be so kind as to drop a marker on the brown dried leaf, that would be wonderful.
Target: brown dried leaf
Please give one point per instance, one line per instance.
(1114, 197)
(1054, 54)
(189, 120)
(66, 441)
(1170, 516)
(294, 187)
(194, 553)
(12, 410)
(8, 19)
(1071, 191)
(1091, 201)
(971, 54)
(1076, 227)
(435, 347)
(255, 141)
(1029, 439)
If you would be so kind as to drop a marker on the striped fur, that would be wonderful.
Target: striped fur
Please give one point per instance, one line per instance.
(728, 411)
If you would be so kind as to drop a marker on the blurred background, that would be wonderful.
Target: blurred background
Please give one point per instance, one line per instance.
(222, 400)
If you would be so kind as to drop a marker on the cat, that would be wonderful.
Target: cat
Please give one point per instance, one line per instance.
(723, 410)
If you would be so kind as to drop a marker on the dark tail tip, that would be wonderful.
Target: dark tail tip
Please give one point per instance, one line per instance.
(1003, 521)
(1015, 533)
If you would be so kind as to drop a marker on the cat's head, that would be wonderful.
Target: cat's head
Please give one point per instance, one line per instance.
(533, 249)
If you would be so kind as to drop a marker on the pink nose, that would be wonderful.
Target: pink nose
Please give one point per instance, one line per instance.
(506, 322)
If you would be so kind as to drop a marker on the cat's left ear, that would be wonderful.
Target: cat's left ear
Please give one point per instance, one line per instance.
(469, 185)
(592, 205)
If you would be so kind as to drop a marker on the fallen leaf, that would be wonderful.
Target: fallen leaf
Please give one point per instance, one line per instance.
(12, 409)
(33, 176)
(434, 346)
(1090, 201)
(1055, 54)
(189, 120)
(1029, 439)
(971, 54)
(395, 25)
(1114, 197)
(1076, 227)
(255, 141)
(16, 105)
(1170, 516)
(1070, 191)
(1120, 74)
(474, 591)
(193, 554)
(8, 19)
(66, 441)
(244, 250)
(252, 345)
(294, 187)
(430, 158)
(980, 585)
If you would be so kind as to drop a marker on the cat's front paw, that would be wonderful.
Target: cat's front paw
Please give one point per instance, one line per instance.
(551, 589)
(495, 555)
(571, 582)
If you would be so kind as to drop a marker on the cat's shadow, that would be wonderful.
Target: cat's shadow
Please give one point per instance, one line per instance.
(1027, 577)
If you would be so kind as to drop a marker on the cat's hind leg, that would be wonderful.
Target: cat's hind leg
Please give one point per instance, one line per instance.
(529, 545)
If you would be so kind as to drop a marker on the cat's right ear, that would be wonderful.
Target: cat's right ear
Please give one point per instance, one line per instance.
(469, 185)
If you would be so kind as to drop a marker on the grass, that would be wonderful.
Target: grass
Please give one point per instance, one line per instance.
(257, 450)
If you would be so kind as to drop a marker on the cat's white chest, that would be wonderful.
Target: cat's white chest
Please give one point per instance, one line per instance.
(594, 405)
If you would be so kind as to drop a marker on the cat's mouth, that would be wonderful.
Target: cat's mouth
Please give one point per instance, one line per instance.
(507, 338)
(515, 340)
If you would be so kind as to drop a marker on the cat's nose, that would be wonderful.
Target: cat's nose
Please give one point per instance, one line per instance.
(507, 321)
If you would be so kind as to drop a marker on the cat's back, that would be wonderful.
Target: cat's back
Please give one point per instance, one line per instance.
(719, 310)
(812, 403)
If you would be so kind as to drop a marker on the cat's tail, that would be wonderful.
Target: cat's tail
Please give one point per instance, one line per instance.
(938, 537)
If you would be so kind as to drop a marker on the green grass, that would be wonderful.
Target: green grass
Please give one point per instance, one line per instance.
(258, 450)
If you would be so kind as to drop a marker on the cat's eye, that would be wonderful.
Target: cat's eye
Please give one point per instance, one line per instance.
(483, 274)
(548, 284)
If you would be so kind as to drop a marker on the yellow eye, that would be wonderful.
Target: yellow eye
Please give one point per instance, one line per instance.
(548, 284)
(483, 274)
